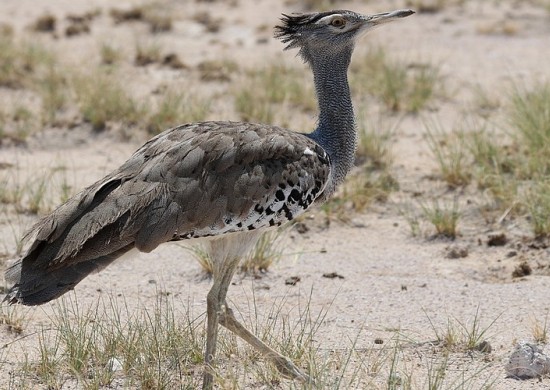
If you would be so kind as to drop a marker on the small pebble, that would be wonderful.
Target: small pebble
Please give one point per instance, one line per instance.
(292, 280)
(114, 364)
(332, 275)
(301, 227)
(457, 253)
(521, 270)
(497, 239)
(484, 346)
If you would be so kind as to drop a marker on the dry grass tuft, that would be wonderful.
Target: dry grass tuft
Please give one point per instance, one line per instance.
(109, 54)
(45, 23)
(276, 88)
(11, 319)
(443, 216)
(159, 22)
(265, 253)
(485, 102)
(510, 164)
(451, 153)
(102, 99)
(175, 109)
(374, 148)
(472, 335)
(172, 60)
(87, 16)
(148, 53)
(20, 61)
(132, 343)
(540, 330)
(529, 119)
(108, 343)
(360, 190)
(217, 70)
(211, 24)
(154, 14)
(77, 28)
(35, 194)
(129, 15)
(537, 202)
(53, 87)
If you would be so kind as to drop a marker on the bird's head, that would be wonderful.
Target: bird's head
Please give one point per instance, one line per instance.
(329, 32)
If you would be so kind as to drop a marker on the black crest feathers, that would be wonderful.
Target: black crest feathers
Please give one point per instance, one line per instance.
(289, 31)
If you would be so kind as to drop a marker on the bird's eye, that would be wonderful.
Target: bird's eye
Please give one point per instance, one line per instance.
(338, 22)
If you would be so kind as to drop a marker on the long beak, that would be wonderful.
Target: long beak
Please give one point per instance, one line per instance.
(385, 17)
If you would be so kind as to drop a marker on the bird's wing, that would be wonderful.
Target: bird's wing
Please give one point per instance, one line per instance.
(226, 177)
(197, 180)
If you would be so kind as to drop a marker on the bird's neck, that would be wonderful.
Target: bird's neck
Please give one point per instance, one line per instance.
(336, 131)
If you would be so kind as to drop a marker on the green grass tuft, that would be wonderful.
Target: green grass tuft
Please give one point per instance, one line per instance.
(52, 87)
(538, 207)
(20, 60)
(266, 91)
(443, 216)
(102, 99)
(98, 343)
(267, 251)
(401, 87)
(451, 154)
(264, 254)
(175, 109)
(530, 122)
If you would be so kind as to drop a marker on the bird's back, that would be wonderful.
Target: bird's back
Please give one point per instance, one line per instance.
(197, 180)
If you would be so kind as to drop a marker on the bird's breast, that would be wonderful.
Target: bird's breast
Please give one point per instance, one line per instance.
(287, 202)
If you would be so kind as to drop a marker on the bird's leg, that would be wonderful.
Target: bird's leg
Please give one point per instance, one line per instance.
(214, 302)
(212, 309)
(283, 364)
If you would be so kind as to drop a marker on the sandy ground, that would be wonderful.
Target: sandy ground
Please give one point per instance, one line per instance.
(391, 279)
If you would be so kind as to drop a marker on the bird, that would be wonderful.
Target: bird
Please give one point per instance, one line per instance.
(223, 182)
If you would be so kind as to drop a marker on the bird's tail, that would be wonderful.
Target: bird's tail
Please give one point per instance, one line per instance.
(36, 285)
(84, 235)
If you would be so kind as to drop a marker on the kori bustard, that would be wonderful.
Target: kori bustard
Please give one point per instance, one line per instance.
(223, 180)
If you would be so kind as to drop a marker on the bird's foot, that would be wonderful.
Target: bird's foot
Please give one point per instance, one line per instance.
(288, 369)
(283, 364)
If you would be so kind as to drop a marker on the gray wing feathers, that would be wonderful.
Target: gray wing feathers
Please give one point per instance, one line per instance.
(100, 207)
(82, 236)
(160, 224)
